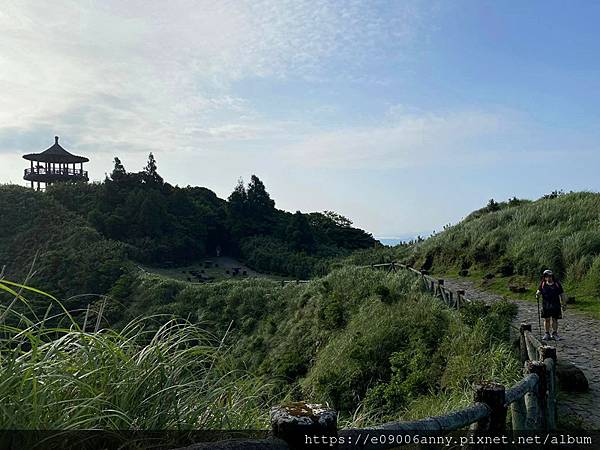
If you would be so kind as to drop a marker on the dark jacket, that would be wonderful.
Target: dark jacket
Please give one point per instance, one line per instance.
(551, 299)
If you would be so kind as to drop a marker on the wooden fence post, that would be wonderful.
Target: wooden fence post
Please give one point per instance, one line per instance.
(459, 298)
(522, 342)
(536, 401)
(548, 356)
(304, 425)
(438, 291)
(518, 412)
(493, 395)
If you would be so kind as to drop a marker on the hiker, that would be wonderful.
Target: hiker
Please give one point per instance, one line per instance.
(552, 305)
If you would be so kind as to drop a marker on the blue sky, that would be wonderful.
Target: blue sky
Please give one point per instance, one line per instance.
(402, 115)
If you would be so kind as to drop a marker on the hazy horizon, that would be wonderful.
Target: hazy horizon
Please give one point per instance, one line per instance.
(401, 116)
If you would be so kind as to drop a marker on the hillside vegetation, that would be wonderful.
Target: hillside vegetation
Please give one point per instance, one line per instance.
(150, 352)
(60, 251)
(170, 225)
(517, 240)
(359, 339)
(85, 236)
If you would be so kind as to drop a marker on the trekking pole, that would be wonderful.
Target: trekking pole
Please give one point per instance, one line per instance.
(537, 297)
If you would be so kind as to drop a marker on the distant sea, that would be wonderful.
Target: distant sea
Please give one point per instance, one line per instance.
(392, 241)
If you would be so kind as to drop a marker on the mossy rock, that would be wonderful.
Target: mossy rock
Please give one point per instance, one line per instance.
(570, 377)
(518, 284)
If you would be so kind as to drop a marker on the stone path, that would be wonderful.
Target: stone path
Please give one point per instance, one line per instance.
(580, 346)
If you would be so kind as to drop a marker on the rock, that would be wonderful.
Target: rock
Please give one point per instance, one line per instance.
(517, 288)
(570, 377)
(293, 421)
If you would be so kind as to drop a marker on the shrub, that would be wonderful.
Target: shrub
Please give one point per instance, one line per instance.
(506, 267)
(384, 293)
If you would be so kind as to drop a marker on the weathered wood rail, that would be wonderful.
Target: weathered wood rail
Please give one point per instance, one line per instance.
(454, 299)
(531, 401)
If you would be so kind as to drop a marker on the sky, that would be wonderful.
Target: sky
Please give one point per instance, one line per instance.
(402, 115)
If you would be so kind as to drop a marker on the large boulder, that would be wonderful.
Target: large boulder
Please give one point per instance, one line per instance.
(570, 377)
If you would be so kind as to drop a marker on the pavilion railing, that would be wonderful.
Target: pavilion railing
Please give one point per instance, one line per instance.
(56, 171)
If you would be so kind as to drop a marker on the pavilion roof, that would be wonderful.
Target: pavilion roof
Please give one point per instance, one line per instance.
(55, 154)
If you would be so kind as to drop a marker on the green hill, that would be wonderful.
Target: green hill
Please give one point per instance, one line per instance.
(516, 240)
(86, 235)
(354, 338)
(170, 225)
(373, 345)
(55, 249)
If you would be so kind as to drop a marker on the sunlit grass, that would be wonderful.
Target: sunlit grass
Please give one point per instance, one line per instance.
(156, 373)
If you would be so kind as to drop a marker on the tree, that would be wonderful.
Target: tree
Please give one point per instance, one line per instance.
(338, 219)
(238, 205)
(493, 205)
(150, 173)
(260, 207)
(258, 197)
(299, 233)
(119, 171)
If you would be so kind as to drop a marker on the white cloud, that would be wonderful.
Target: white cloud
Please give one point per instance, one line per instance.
(151, 75)
(406, 140)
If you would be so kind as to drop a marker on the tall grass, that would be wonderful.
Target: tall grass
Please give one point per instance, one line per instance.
(154, 374)
(561, 232)
(373, 345)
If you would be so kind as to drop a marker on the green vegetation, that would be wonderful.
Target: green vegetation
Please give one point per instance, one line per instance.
(155, 373)
(86, 236)
(516, 240)
(373, 345)
(141, 350)
(57, 250)
(172, 226)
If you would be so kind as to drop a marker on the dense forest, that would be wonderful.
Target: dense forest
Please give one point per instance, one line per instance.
(170, 225)
(86, 235)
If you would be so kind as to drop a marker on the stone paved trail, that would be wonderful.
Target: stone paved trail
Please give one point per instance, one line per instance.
(580, 346)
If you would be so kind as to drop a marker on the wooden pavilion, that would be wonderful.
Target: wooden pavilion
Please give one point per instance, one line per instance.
(53, 165)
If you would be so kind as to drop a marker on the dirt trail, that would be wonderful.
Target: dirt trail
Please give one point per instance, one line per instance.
(580, 346)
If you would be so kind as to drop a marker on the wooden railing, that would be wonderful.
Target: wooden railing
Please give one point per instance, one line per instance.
(63, 171)
(532, 401)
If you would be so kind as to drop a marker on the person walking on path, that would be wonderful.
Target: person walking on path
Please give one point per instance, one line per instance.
(552, 295)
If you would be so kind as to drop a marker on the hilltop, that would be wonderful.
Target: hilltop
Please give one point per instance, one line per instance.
(86, 235)
(511, 243)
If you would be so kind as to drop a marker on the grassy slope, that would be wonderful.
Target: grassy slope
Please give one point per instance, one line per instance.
(561, 233)
(355, 338)
(361, 340)
(72, 257)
